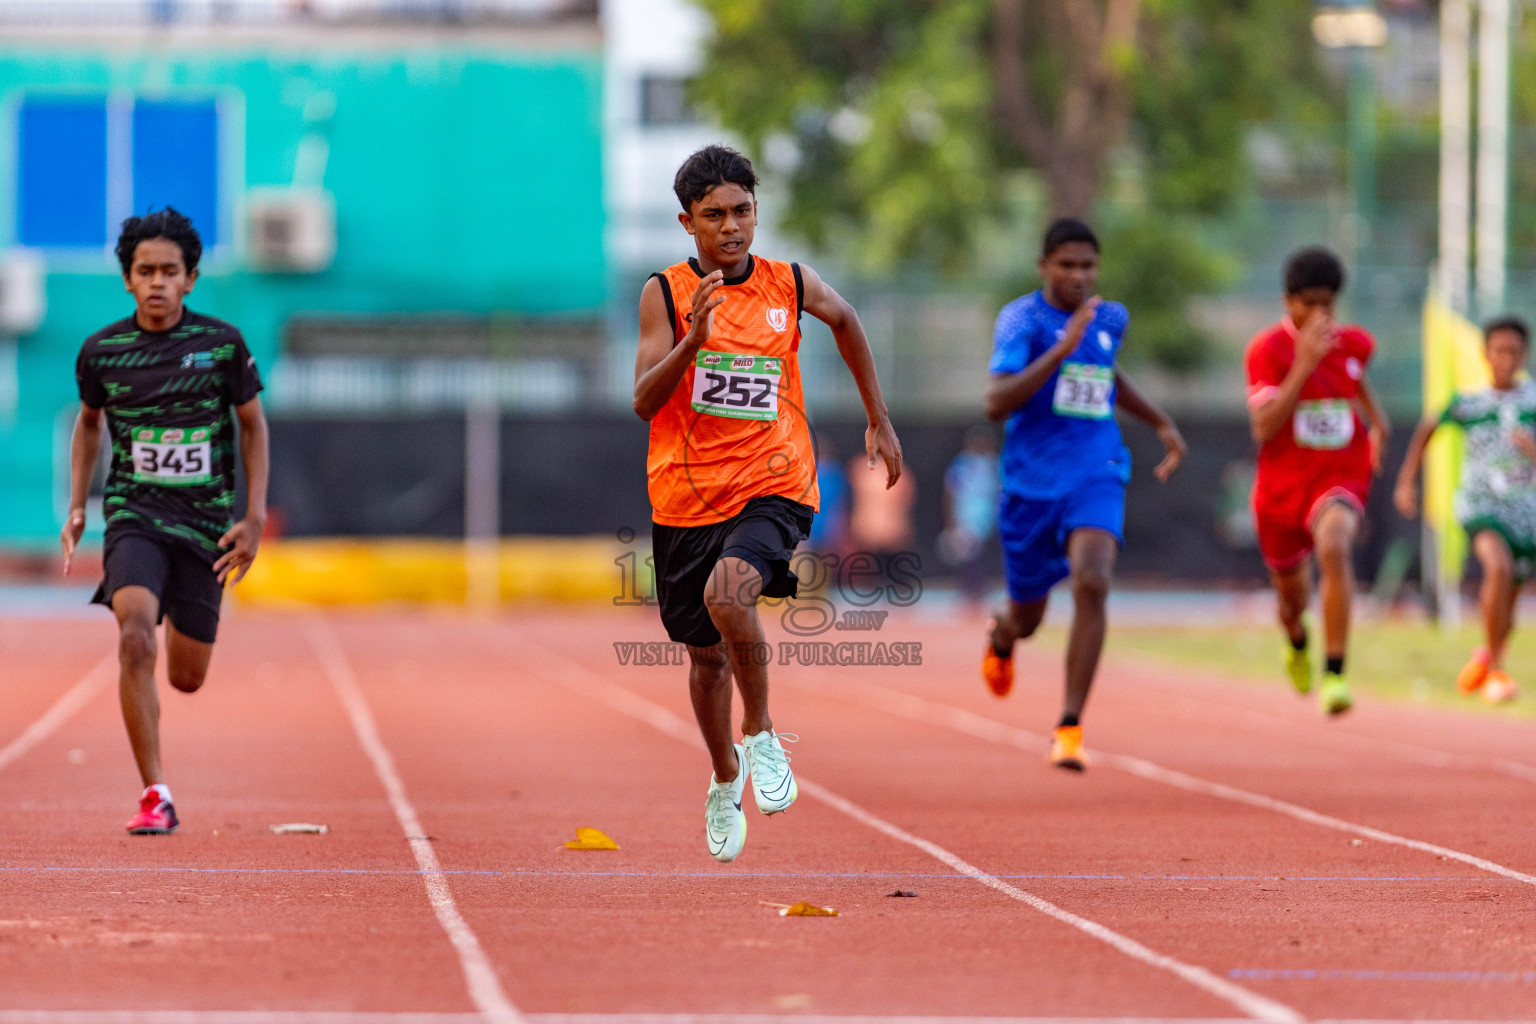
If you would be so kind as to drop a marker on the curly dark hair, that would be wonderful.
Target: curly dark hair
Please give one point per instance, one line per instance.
(708, 168)
(1513, 324)
(168, 223)
(1313, 267)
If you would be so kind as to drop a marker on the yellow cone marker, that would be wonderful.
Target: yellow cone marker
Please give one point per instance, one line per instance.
(801, 909)
(591, 839)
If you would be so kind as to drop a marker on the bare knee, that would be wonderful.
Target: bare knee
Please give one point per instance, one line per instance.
(709, 667)
(1024, 619)
(730, 597)
(185, 678)
(1498, 571)
(1333, 554)
(1090, 584)
(136, 646)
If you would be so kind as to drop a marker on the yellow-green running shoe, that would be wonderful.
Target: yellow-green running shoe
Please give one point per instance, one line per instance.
(1299, 667)
(1333, 695)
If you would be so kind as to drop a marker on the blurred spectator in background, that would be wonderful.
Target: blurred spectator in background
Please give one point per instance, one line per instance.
(970, 513)
(829, 530)
(881, 519)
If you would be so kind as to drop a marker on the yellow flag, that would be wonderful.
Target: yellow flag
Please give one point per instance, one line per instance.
(1453, 362)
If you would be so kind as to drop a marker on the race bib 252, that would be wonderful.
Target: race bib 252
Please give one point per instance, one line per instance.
(737, 386)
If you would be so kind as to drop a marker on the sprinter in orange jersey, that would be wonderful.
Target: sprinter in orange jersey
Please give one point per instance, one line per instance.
(731, 467)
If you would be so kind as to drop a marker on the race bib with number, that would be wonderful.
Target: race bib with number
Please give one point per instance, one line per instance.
(1327, 423)
(737, 386)
(172, 456)
(1082, 390)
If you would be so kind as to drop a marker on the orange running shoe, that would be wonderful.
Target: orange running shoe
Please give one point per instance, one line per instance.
(1473, 674)
(1498, 688)
(1067, 748)
(996, 670)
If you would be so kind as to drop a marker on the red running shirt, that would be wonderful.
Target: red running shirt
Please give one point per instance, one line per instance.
(1323, 444)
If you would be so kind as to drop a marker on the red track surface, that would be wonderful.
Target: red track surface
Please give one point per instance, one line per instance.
(508, 734)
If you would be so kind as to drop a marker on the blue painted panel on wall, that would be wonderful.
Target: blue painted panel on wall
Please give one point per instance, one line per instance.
(176, 161)
(61, 173)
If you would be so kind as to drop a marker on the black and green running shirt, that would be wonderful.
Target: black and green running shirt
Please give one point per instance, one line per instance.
(167, 396)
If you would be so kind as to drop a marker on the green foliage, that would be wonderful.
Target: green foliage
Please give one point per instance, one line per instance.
(882, 117)
(883, 108)
(1157, 262)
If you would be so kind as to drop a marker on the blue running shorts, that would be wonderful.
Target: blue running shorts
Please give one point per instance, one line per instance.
(1034, 532)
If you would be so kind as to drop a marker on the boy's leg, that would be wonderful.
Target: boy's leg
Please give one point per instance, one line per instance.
(709, 687)
(1014, 621)
(1497, 594)
(731, 599)
(1033, 562)
(1293, 592)
(1333, 533)
(137, 609)
(186, 660)
(192, 599)
(1091, 554)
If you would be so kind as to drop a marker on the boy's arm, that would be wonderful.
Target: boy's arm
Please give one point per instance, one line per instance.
(833, 310)
(84, 447)
(1313, 342)
(1380, 426)
(1130, 398)
(1007, 392)
(1406, 495)
(662, 359)
(244, 537)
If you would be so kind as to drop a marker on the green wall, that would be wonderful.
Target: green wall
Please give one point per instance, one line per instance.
(466, 178)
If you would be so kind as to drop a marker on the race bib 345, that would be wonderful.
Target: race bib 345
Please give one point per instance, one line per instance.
(172, 456)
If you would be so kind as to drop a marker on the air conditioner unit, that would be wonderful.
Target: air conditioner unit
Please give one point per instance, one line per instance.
(23, 294)
(291, 230)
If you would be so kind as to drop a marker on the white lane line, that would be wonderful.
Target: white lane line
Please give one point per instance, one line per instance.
(1412, 752)
(72, 700)
(920, 709)
(229, 1017)
(485, 989)
(352, 1017)
(1250, 1003)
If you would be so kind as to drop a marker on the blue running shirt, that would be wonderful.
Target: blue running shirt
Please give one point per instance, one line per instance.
(1066, 434)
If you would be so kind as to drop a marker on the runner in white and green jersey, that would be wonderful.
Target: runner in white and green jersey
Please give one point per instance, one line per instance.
(1496, 502)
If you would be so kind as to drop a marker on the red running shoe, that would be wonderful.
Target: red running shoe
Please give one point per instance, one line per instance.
(156, 817)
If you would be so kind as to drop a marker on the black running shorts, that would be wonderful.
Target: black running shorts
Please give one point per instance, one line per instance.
(764, 534)
(179, 576)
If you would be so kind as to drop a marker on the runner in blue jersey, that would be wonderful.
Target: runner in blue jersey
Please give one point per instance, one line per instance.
(1065, 468)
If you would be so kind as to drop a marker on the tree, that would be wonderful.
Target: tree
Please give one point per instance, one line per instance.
(904, 128)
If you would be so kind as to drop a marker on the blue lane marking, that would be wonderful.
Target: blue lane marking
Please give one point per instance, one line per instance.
(1255, 973)
(766, 874)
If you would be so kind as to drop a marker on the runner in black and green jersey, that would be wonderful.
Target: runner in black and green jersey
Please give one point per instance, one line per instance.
(170, 385)
(1496, 502)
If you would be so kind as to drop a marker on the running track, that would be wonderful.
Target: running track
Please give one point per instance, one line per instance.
(1229, 855)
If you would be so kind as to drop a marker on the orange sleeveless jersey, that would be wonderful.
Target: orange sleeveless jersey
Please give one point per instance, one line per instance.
(735, 428)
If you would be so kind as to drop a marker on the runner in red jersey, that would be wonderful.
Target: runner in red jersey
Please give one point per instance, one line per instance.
(1309, 407)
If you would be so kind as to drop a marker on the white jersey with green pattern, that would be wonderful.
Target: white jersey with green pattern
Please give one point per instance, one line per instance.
(1498, 480)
